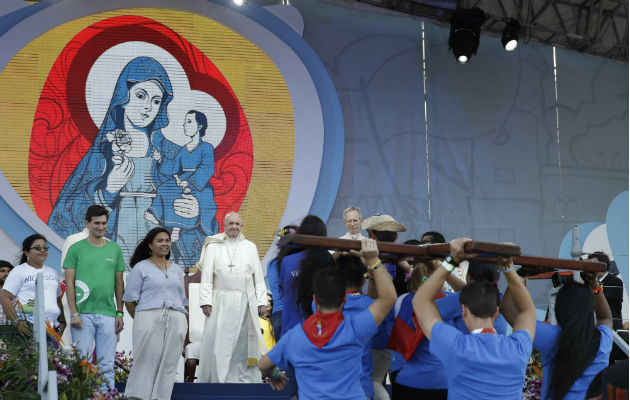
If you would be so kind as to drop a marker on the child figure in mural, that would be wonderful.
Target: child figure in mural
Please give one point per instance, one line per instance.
(185, 198)
(119, 171)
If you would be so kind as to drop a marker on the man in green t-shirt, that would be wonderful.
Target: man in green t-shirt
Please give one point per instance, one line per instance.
(93, 269)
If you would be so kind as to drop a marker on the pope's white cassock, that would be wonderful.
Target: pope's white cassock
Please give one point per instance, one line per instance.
(232, 283)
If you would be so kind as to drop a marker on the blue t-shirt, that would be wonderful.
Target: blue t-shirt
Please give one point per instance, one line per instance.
(356, 304)
(423, 370)
(391, 268)
(450, 309)
(545, 342)
(332, 371)
(289, 270)
(482, 366)
(273, 281)
(381, 338)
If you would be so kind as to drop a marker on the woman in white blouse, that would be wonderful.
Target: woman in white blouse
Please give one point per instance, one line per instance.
(155, 297)
(19, 288)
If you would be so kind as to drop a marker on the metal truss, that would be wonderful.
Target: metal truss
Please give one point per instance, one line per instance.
(595, 27)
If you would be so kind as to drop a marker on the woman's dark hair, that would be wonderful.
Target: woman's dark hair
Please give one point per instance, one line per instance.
(579, 339)
(483, 272)
(434, 237)
(353, 269)
(27, 243)
(311, 225)
(596, 387)
(201, 120)
(314, 260)
(142, 251)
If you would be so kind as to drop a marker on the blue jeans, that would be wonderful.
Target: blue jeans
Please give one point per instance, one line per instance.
(100, 330)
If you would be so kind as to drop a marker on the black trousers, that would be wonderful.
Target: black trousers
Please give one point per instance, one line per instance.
(402, 392)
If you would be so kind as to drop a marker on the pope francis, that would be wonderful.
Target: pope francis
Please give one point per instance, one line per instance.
(232, 295)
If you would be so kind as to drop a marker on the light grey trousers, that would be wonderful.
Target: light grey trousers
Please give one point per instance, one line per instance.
(158, 340)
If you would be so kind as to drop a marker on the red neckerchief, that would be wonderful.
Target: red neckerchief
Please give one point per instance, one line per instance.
(320, 328)
(485, 330)
(353, 292)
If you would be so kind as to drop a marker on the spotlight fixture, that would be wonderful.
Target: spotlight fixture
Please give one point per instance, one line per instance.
(239, 3)
(465, 32)
(509, 38)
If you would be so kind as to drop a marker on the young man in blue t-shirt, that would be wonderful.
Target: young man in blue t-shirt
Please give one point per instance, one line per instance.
(354, 271)
(483, 364)
(326, 349)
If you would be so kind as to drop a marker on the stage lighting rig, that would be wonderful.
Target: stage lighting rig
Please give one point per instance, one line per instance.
(465, 32)
(510, 35)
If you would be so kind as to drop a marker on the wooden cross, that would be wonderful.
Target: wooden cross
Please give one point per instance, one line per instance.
(487, 252)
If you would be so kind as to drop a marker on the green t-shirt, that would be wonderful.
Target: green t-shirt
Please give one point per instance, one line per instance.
(95, 277)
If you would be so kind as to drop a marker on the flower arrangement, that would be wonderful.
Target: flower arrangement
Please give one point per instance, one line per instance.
(122, 366)
(77, 378)
(533, 378)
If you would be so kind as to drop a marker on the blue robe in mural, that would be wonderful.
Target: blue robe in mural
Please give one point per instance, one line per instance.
(86, 185)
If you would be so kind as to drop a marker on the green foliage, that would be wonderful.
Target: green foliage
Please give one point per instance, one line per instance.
(77, 378)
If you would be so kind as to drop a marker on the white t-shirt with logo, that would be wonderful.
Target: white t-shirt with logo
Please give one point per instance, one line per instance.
(21, 284)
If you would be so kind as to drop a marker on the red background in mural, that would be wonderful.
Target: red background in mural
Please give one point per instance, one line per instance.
(63, 130)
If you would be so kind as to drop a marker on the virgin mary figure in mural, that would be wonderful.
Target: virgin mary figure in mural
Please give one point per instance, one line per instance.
(118, 170)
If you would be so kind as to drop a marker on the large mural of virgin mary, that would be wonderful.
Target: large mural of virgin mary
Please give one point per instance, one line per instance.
(152, 160)
(166, 116)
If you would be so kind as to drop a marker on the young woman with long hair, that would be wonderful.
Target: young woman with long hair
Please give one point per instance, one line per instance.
(576, 350)
(296, 271)
(156, 300)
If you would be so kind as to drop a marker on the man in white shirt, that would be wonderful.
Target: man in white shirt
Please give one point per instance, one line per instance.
(352, 219)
